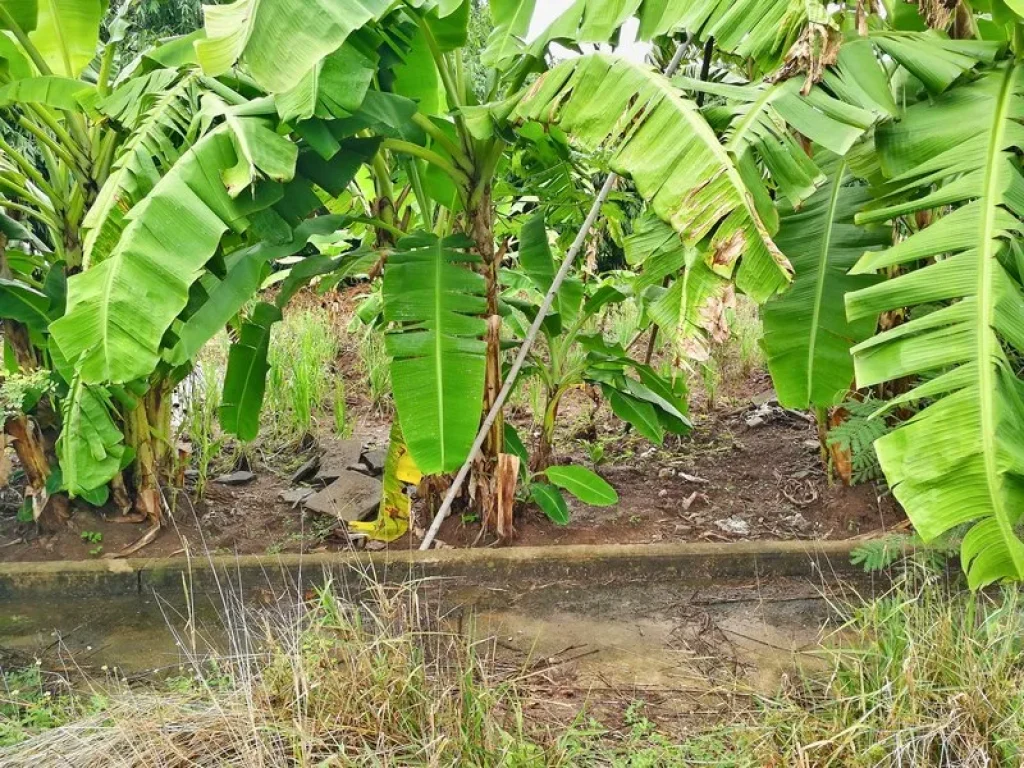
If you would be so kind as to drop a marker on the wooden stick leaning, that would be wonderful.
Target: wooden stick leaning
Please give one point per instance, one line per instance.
(531, 336)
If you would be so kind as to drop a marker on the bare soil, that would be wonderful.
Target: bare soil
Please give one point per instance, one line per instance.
(748, 470)
(726, 481)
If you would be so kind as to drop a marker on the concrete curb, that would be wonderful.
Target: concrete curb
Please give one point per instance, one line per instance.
(697, 564)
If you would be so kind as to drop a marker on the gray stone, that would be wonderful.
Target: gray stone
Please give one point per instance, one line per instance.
(799, 522)
(236, 478)
(295, 496)
(338, 456)
(352, 496)
(306, 471)
(375, 460)
(735, 525)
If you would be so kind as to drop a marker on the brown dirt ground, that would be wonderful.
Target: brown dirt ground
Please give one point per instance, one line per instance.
(726, 481)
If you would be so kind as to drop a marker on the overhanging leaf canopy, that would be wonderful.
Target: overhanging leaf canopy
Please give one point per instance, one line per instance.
(762, 116)
(278, 42)
(959, 460)
(168, 105)
(64, 32)
(168, 239)
(661, 141)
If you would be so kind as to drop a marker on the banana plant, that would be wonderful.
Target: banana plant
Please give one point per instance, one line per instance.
(383, 129)
(575, 352)
(714, 177)
(396, 73)
(68, 119)
(122, 173)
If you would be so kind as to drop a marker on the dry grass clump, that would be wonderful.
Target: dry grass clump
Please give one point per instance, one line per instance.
(928, 676)
(370, 682)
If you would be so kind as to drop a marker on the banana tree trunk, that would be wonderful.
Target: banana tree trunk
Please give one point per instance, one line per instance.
(482, 231)
(484, 487)
(543, 453)
(49, 512)
(148, 432)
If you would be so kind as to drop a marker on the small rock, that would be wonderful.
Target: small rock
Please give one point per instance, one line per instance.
(735, 525)
(798, 522)
(662, 493)
(240, 477)
(375, 460)
(352, 496)
(192, 474)
(295, 496)
(688, 501)
(373, 545)
(812, 445)
(762, 415)
(665, 472)
(306, 471)
(338, 456)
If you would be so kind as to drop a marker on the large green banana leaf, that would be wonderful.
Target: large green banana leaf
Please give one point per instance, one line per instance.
(118, 311)
(807, 337)
(64, 32)
(662, 142)
(155, 144)
(47, 90)
(278, 42)
(762, 115)
(933, 58)
(246, 379)
(763, 30)
(90, 448)
(961, 459)
(511, 20)
(436, 301)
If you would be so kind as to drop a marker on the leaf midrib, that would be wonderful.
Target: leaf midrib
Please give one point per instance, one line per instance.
(737, 142)
(986, 315)
(819, 289)
(438, 349)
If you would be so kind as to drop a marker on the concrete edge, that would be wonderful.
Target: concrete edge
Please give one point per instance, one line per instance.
(687, 563)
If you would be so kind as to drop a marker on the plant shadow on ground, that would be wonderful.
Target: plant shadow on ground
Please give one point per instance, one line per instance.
(925, 674)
